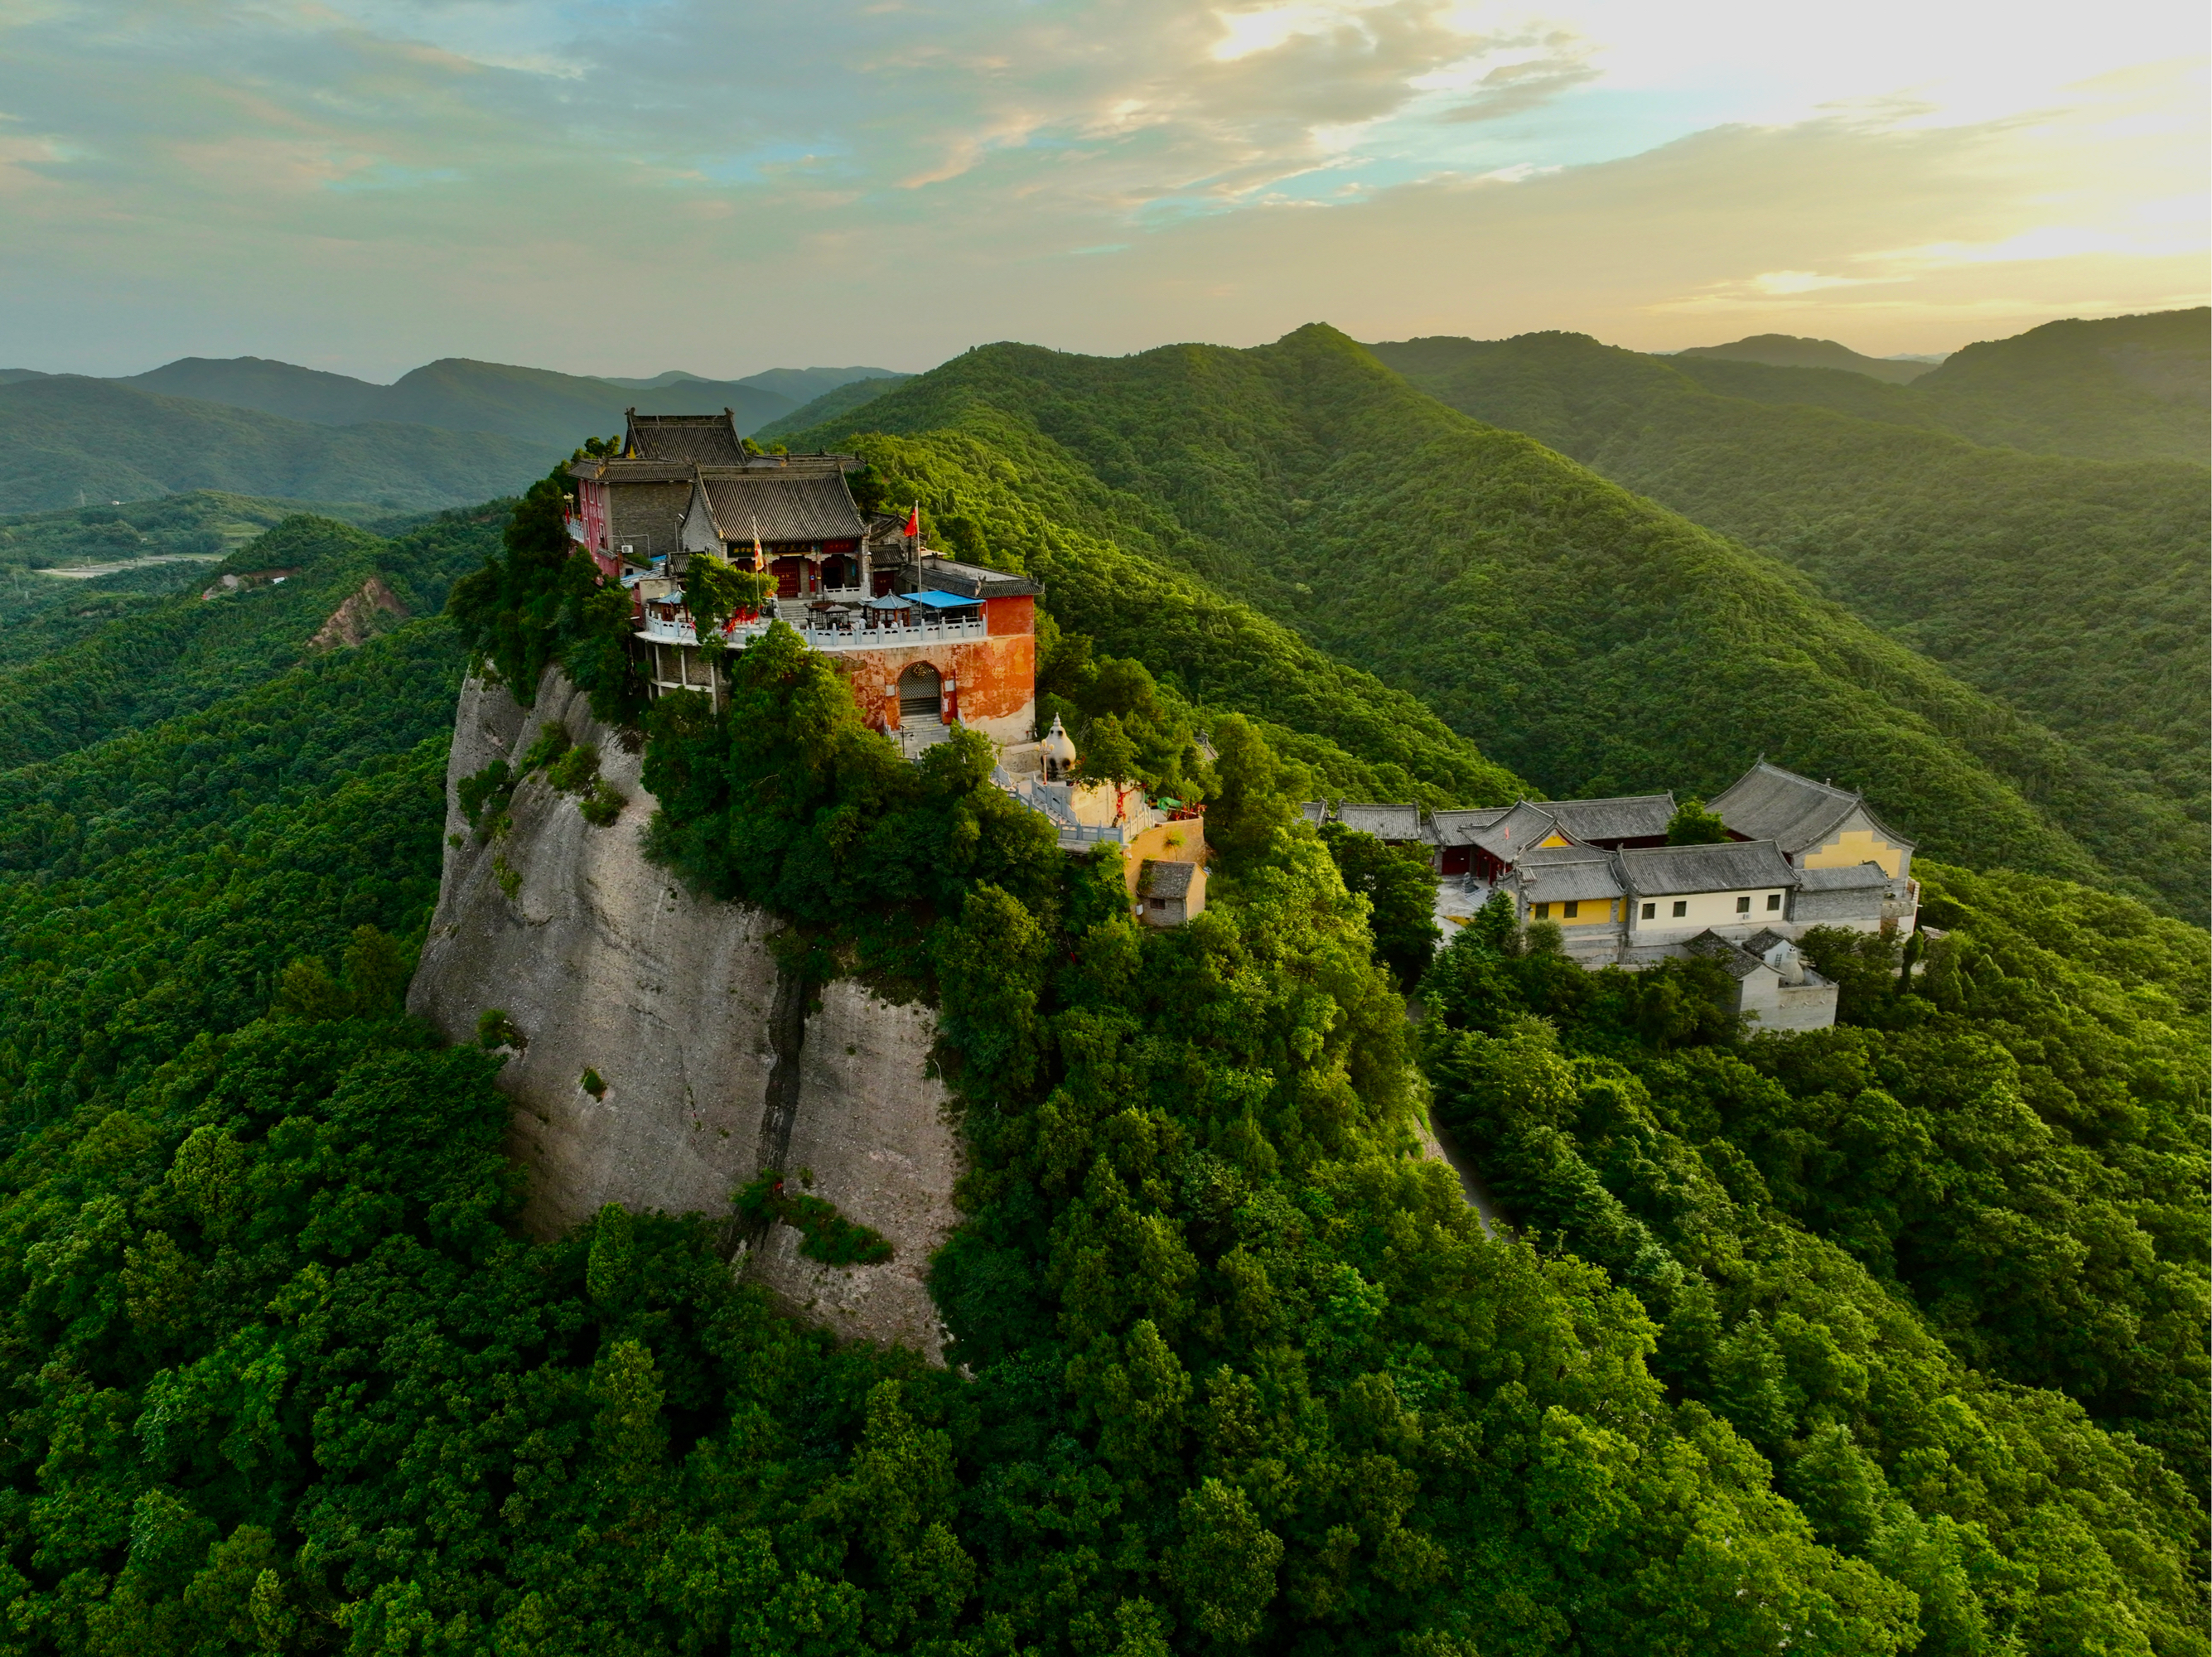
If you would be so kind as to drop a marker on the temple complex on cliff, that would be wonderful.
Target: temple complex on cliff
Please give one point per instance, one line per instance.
(925, 641)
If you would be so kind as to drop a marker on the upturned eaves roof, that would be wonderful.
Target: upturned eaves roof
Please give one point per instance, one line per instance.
(1523, 828)
(974, 580)
(707, 440)
(1632, 816)
(1460, 827)
(1768, 803)
(1556, 873)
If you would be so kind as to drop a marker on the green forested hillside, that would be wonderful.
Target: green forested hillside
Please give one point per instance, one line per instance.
(1816, 387)
(1591, 642)
(1900, 1256)
(1162, 1184)
(2118, 388)
(832, 404)
(1235, 1370)
(66, 440)
(203, 521)
(188, 650)
(2072, 590)
(38, 616)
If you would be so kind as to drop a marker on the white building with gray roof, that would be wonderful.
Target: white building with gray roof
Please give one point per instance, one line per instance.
(1772, 987)
(1732, 889)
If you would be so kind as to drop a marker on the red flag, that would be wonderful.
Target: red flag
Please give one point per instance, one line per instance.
(914, 523)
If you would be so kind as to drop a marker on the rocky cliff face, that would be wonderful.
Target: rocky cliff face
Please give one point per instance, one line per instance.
(709, 1064)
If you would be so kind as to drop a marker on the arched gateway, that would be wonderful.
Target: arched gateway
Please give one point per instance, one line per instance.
(920, 692)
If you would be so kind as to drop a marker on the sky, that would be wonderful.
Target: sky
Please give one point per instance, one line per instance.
(627, 186)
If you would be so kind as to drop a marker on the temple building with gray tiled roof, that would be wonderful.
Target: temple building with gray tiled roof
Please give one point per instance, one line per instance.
(1600, 870)
(1817, 825)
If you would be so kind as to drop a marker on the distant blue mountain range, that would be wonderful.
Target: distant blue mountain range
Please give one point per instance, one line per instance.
(451, 432)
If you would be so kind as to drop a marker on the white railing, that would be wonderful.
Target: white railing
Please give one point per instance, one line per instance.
(869, 636)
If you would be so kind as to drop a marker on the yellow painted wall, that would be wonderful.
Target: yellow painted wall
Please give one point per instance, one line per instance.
(1166, 843)
(1854, 846)
(1556, 839)
(1594, 911)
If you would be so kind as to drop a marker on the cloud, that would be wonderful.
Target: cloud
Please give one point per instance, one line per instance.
(365, 184)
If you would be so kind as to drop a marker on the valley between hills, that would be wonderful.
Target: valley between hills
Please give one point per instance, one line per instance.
(1885, 1336)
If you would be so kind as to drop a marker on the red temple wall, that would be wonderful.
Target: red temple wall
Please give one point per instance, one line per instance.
(993, 681)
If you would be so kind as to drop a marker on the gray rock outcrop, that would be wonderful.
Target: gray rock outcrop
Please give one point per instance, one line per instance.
(676, 1007)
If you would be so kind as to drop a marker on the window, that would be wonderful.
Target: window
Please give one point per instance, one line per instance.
(1682, 909)
(1571, 909)
(1543, 912)
(1650, 911)
(1743, 906)
(1159, 903)
(1774, 900)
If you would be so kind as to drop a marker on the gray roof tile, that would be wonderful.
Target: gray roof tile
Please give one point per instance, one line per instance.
(974, 580)
(1632, 816)
(1398, 822)
(707, 440)
(1732, 866)
(1460, 827)
(1527, 826)
(1159, 879)
(1844, 880)
(1768, 803)
(1551, 873)
(809, 505)
(1735, 962)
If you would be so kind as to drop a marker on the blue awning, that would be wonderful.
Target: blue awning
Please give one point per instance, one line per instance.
(943, 600)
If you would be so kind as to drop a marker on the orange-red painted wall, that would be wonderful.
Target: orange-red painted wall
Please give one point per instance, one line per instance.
(993, 680)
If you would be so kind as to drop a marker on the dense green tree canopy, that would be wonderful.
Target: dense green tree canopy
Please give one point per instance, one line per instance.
(2072, 589)
(1879, 1339)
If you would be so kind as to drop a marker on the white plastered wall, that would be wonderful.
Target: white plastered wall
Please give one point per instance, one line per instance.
(1715, 910)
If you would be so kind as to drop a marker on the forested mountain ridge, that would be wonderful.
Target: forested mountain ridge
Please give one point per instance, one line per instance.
(1794, 351)
(2074, 590)
(66, 440)
(1592, 642)
(539, 406)
(831, 404)
(196, 647)
(2114, 388)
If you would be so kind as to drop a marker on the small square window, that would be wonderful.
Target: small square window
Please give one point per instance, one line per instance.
(1774, 900)
(1682, 909)
(1159, 903)
(1543, 912)
(1743, 906)
(1573, 909)
(1651, 911)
